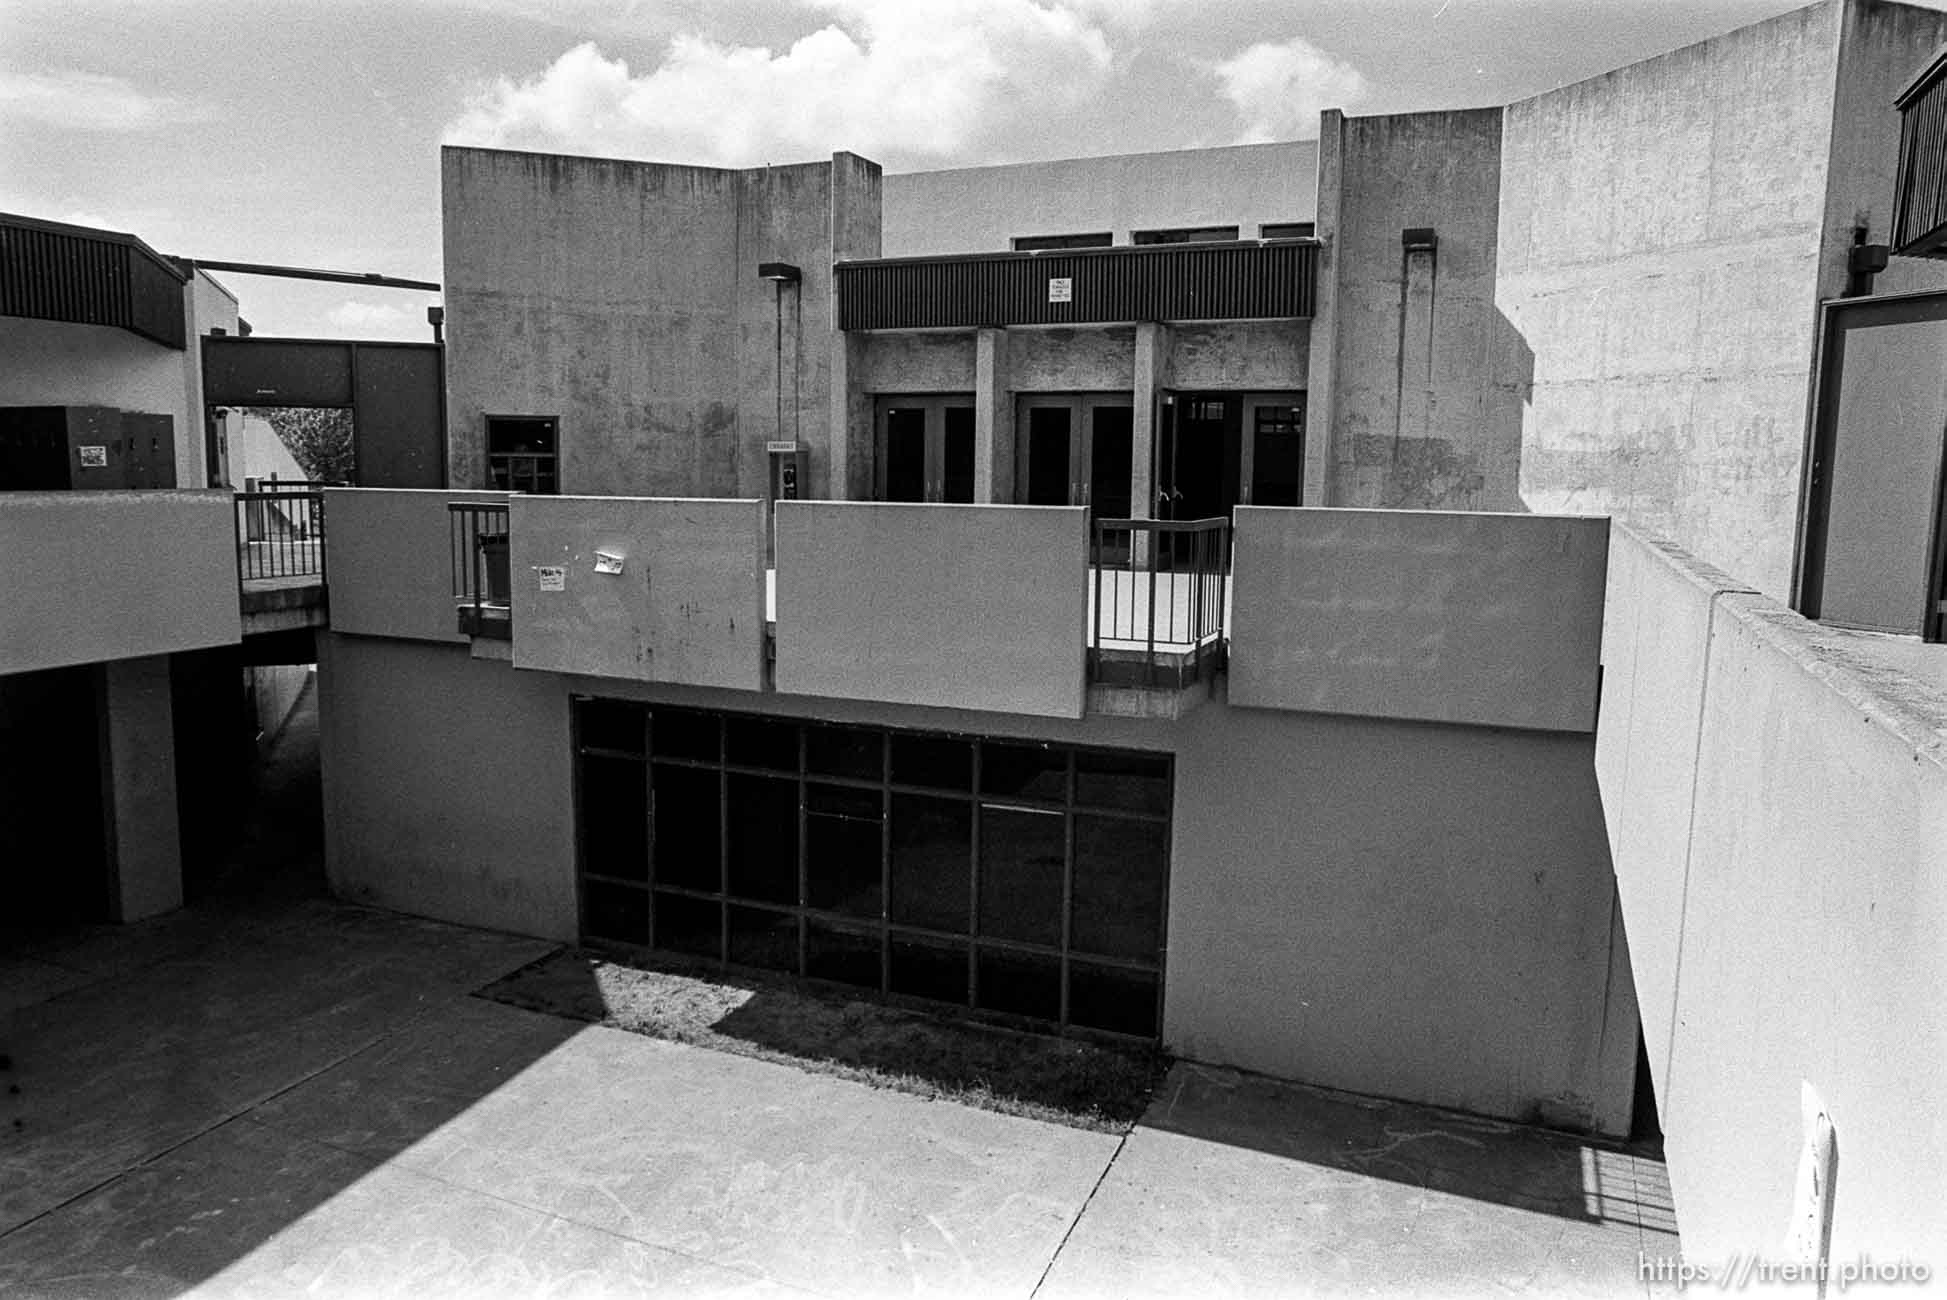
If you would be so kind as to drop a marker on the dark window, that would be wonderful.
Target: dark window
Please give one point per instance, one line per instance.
(1021, 984)
(522, 452)
(1120, 1001)
(923, 969)
(1015, 877)
(1022, 853)
(1186, 235)
(689, 807)
(845, 751)
(763, 838)
(846, 956)
(1278, 455)
(615, 818)
(844, 834)
(1287, 230)
(617, 913)
(763, 938)
(932, 842)
(1097, 239)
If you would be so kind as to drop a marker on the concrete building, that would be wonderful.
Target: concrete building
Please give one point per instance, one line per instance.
(769, 618)
(1458, 323)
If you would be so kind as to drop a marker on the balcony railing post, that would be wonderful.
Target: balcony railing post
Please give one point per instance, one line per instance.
(1149, 656)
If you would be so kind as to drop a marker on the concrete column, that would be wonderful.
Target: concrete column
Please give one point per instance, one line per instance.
(138, 753)
(1321, 386)
(993, 419)
(1152, 375)
(848, 477)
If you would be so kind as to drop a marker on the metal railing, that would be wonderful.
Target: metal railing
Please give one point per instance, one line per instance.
(280, 533)
(482, 591)
(1159, 593)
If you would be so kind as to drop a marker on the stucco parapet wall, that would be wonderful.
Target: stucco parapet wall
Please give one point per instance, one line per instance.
(657, 589)
(94, 576)
(389, 560)
(1468, 617)
(1706, 577)
(1908, 707)
(981, 607)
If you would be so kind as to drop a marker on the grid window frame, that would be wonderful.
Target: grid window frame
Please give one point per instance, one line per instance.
(833, 928)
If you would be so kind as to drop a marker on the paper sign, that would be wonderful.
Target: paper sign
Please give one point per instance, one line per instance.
(553, 578)
(94, 458)
(607, 562)
(1061, 288)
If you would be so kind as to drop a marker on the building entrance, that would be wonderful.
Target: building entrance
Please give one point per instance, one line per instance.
(1215, 451)
(1075, 449)
(926, 448)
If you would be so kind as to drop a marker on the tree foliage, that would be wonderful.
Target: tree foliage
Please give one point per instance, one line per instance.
(319, 439)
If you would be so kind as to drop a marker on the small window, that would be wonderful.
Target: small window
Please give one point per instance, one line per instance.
(1288, 230)
(1186, 235)
(1028, 243)
(521, 453)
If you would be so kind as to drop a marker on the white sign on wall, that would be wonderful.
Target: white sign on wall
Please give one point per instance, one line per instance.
(553, 577)
(94, 458)
(1061, 288)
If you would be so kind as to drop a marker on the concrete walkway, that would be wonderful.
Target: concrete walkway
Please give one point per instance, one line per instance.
(276, 1095)
(308, 1102)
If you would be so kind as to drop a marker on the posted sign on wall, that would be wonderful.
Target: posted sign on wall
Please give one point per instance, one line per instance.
(1061, 288)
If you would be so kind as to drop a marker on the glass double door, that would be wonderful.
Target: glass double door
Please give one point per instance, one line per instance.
(1075, 449)
(926, 448)
(1215, 451)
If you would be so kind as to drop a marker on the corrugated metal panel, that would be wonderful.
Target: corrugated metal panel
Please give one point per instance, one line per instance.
(1250, 281)
(1920, 195)
(88, 277)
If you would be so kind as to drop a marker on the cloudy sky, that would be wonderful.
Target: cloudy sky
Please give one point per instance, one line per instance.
(306, 133)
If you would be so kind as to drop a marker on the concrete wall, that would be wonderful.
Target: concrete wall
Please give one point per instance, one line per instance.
(623, 298)
(1494, 620)
(1400, 909)
(981, 209)
(257, 452)
(977, 607)
(1777, 799)
(1234, 356)
(1071, 360)
(209, 307)
(686, 606)
(933, 361)
(90, 576)
(389, 561)
(1660, 239)
(1416, 378)
(1882, 47)
(56, 363)
(448, 790)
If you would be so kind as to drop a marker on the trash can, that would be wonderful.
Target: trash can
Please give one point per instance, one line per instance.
(494, 576)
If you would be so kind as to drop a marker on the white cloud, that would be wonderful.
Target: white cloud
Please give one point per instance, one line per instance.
(898, 79)
(353, 315)
(1279, 89)
(88, 101)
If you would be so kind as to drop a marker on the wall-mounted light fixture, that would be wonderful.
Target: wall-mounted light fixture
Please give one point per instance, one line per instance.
(781, 274)
(436, 317)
